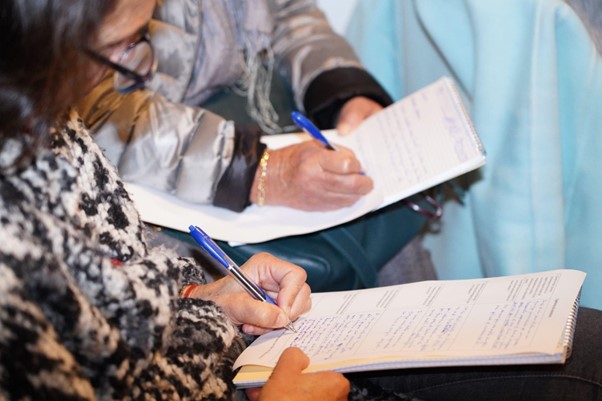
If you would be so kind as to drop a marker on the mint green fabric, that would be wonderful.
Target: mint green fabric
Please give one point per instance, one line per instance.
(532, 79)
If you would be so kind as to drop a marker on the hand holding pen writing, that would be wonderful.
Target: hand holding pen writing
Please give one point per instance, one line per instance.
(354, 112)
(308, 176)
(280, 281)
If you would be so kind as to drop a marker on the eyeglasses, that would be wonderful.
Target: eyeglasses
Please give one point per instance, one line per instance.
(135, 66)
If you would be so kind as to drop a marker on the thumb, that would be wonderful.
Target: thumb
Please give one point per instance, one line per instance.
(348, 121)
(291, 362)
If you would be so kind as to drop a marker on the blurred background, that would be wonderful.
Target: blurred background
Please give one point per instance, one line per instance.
(338, 12)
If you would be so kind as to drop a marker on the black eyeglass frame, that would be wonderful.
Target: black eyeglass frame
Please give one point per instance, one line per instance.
(139, 80)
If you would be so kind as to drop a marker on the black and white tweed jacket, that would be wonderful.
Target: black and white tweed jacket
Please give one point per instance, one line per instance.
(87, 310)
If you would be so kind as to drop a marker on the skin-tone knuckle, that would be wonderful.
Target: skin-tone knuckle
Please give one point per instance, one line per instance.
(300, 272)
(341, 383)
(264, 256)
(307, 293)
(364, 188)
(351, 199)
(349, 165)
(268, 317)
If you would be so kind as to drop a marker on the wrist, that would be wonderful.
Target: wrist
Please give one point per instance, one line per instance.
(188, 291)
(234, 188)
(207, 292)
(259, 190)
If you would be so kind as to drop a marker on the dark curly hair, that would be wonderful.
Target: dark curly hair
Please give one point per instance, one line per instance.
(42, 67)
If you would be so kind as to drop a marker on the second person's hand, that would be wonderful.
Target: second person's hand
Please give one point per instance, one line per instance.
(308, 176)
(288, 383)
(354, 112)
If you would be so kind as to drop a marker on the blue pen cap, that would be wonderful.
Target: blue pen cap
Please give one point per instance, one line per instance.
(207, 243)
(306, 125)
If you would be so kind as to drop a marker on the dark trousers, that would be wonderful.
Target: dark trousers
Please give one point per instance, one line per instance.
(579, 379)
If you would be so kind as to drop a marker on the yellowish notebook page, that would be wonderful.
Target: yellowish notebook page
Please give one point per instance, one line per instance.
(481, 318)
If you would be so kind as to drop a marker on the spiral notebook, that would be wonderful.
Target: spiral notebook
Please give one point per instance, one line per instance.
(414, 144)
(521, 319)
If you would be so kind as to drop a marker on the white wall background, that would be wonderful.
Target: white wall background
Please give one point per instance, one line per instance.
(338, 12)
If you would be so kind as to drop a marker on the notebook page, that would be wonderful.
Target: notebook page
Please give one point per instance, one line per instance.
(436, 320)
(418, 142)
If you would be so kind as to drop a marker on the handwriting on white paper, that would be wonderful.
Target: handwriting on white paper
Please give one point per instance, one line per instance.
(471, 317)
(419, 137)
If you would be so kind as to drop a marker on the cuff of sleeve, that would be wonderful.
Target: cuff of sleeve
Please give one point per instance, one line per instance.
(329, 91)
(234, 187)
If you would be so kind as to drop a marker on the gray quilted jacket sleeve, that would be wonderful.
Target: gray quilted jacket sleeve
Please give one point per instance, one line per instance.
(323, 69)
(169, 146)
(306, 46)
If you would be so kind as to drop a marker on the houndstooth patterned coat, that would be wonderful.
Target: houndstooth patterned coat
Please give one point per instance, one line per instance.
(87, 310)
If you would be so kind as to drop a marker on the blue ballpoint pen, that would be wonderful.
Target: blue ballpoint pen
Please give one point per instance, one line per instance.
(220, 256)
(302, 122)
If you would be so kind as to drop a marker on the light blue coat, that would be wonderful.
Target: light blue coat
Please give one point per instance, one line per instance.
(532, 78)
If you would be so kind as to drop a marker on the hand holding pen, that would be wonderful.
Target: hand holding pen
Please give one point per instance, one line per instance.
(288, 279)
(306, 125)
(308, 176)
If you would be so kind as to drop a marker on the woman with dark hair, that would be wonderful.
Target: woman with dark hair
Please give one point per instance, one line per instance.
(42, 68)
(89, 311)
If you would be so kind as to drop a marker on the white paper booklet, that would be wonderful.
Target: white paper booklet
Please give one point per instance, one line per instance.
(418, 142)
(522, 319)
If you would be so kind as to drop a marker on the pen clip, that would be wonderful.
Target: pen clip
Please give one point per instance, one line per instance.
(207, 243)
